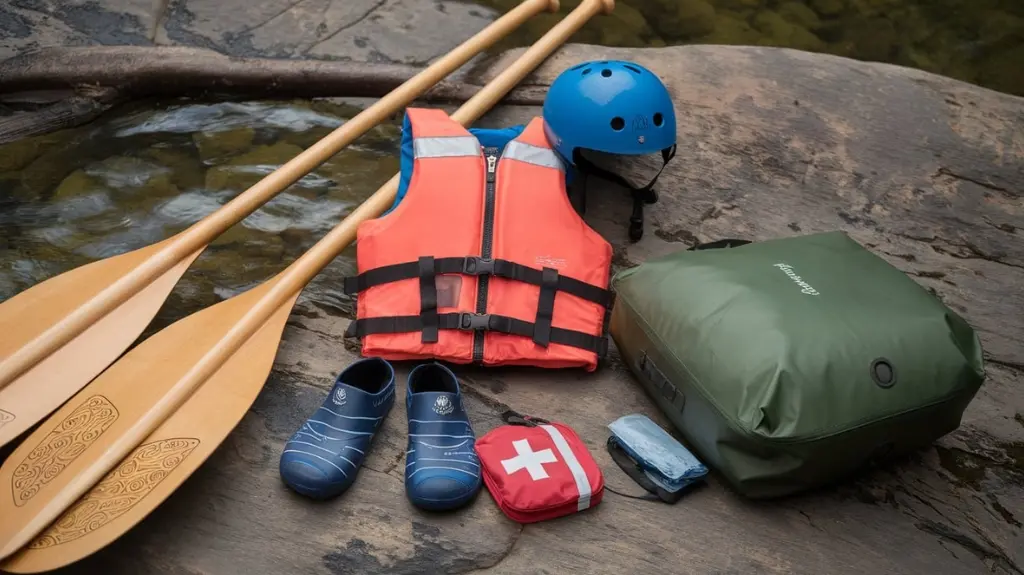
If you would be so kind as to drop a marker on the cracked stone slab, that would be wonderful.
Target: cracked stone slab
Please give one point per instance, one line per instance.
(31, 24)
(362, 30)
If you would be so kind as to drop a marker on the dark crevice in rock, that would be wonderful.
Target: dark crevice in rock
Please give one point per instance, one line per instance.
(273, 17)
(351, 24)
(300, 325)
(960, 250)
(986, 554)
(1012, 365)
(809, 521)
(947, 172)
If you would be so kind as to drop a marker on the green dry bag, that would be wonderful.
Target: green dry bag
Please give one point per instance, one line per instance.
(791, 363)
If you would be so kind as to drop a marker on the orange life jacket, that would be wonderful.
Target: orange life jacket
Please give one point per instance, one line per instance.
(484, 260)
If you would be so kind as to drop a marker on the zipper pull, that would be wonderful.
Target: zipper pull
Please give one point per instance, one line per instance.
(491, 165)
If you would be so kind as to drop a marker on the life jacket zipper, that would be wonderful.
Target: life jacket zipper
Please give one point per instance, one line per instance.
(491, 155)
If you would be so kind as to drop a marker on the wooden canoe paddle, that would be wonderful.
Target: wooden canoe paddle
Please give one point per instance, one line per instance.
(123, 444)
(58, 335)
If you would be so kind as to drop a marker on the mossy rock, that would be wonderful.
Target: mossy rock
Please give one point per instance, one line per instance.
(238, 173)
(679, 19)
(621, 28)
(740, 5)
(798, 13)
(828, 8)
(777, 31)
(732, 29)
(77, 183)
(873, 39)
(216, 145)
(1002, 70)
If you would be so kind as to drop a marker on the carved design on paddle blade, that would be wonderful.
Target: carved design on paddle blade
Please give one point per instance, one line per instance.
(5, 417)
(121, 489)
(61, 446)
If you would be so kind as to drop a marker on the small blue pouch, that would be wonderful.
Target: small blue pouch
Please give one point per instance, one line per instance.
(653, 458)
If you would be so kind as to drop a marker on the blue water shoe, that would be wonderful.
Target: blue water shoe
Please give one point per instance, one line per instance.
(322, 458)
(442, 471)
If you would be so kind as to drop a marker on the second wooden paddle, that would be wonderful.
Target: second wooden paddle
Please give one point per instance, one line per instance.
(115, 451)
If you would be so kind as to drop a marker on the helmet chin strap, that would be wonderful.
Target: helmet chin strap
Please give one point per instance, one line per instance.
(641, 196)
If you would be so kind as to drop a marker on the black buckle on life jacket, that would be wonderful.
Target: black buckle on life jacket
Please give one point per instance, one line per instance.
(474, 321)
(475, 266)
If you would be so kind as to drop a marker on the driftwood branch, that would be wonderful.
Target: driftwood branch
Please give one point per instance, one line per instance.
(86, 81)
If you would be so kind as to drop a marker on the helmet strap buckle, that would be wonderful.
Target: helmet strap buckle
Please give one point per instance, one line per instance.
(641, 196)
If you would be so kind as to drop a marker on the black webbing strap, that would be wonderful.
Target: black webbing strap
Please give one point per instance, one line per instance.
(636, 473)
(428, 300)
(477, 266)
(545, 307)
(471, 321)
(641, 196)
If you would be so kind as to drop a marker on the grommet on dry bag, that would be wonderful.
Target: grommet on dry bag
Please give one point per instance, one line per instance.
(616, 107)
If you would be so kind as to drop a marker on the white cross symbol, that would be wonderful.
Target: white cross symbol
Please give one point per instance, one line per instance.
(527, 458)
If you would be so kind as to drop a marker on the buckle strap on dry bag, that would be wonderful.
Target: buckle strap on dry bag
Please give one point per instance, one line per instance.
(473, 321)
(477, 266)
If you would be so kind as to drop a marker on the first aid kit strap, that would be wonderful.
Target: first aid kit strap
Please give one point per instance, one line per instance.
(578, 473)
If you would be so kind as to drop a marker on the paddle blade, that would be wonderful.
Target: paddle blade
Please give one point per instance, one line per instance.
(39, 475)
(38, 391)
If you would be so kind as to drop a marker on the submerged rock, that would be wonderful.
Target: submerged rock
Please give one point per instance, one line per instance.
(76, 184)
(242, 171)
(214, 146)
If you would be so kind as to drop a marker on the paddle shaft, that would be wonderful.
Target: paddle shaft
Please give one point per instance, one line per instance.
(286, 285)
(203, 232)
(293, 279)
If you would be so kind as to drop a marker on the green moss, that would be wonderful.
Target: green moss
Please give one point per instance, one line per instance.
(1004, 71)
(777, 31)
(828, 8)
(800, 15)
(679, 19)
(733, 30)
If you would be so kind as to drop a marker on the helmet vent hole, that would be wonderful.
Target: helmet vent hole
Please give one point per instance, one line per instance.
(618, 123)
(606, 72)
(658, 119)
(587, 71)
(628, 67)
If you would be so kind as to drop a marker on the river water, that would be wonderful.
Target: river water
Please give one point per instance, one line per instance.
(141, 174)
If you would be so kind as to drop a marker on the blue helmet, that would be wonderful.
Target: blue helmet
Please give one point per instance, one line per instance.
(616, 107)
(610, 106)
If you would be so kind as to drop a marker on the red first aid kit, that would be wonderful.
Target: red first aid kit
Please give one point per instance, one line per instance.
(538, 470)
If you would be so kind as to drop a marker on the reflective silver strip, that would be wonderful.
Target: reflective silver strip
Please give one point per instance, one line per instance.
(579, 475)
(446, 146)
(533, 155)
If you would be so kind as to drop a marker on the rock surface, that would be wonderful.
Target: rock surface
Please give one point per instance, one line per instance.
(363, 30)
(925, 171)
